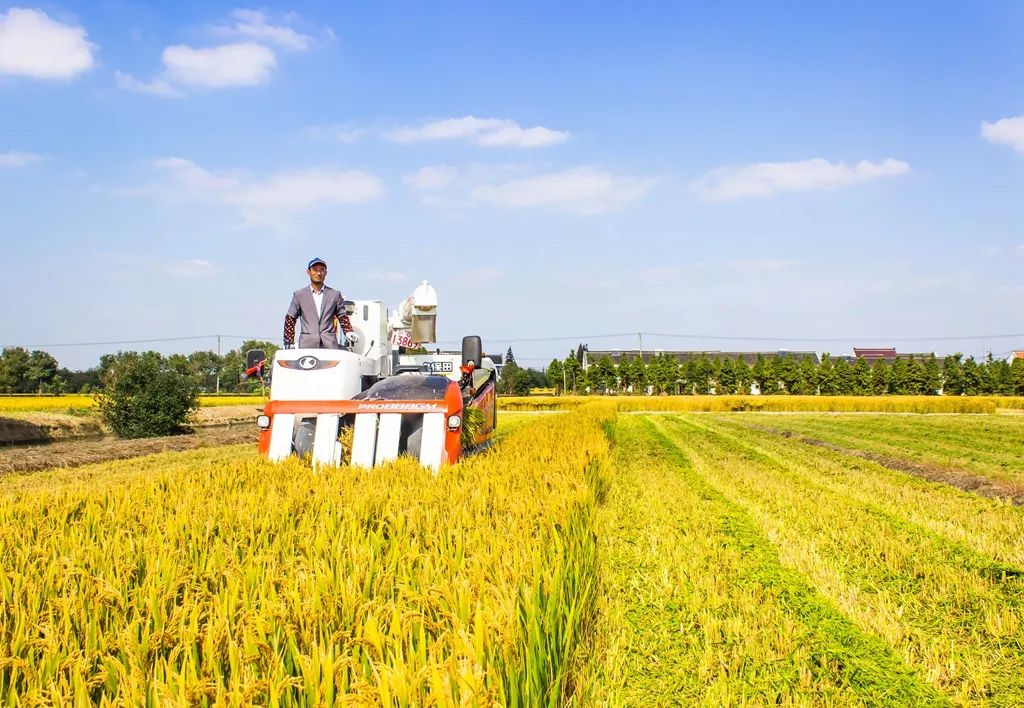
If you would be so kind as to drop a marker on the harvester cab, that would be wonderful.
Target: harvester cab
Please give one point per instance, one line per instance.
(375, 399)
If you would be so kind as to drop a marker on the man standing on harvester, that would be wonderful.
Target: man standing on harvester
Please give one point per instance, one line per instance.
(321, 310)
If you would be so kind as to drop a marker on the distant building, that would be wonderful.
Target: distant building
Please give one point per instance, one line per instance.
(885, 354)
(1016, 355)
(874, 354)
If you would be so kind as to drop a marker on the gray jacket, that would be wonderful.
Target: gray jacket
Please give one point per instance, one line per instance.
(318, 332)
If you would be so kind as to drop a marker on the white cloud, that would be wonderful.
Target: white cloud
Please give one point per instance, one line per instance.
(32, 44)
(194, 268)
(581, 190)
(257, 26)
(432, 177)
(264, 200)
(157, 87)
(1008, 131)
(488, 132)
(226, 66)
(18, 159)
(768, 178)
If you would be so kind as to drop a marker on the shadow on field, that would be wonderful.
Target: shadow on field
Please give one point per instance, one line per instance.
(76, 452)
(14, 431)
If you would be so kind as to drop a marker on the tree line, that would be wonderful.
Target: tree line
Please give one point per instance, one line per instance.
(22, 371)
(664, 374)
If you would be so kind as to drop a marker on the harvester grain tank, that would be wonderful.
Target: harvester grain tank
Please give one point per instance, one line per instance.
(386, 401)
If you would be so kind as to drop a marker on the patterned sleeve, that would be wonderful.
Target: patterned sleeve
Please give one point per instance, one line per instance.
(289, 330)
(346, 325)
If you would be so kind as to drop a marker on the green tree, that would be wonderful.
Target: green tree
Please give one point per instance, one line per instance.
(206, 366)
(764, 375)
(698, 373)
(828, 382)
(144, 395)
(807, 384)
(555, 373)
(932, 376)
(953, 375)
(787, 371)
(744, 375)
(973, 381)
(996, 376)
(728, 381)
(514, 381)
(1017, 377)
(844, 377)
(899, 377)
(663, 373)
(879, 377)
(861, 377)
(915, 377)
(572, 370)
(14, 362)
(605, 378)
(40, 371)
(639, 375)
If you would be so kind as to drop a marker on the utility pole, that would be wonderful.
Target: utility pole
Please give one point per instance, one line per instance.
(218, 363)
(640, 338)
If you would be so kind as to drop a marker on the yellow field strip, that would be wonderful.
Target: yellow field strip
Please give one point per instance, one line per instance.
(81, 402)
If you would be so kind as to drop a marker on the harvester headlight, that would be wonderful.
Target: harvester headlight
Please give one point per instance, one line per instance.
(454, 421)
(263, 422)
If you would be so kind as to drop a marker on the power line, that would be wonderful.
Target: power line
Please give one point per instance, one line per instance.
(124, 341)
(575, 338)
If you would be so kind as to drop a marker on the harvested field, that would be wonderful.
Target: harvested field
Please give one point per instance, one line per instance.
(41, 427)
(77, 452)
(836, 404)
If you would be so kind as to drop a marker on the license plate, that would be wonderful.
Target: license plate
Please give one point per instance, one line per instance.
(402, 338)
(440, 367)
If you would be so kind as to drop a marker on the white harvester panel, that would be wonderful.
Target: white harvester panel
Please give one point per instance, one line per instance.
(432, 444)
(316, 375)
(364, 440)
(326, 448)
(369, 320)
(281, 437)
(389, 431)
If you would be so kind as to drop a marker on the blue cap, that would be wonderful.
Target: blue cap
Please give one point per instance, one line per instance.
(315, 261)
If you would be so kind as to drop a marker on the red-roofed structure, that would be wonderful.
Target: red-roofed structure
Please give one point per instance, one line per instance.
(1018, 355)
(872, 354)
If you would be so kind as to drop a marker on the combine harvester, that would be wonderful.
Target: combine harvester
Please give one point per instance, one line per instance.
(397, 403)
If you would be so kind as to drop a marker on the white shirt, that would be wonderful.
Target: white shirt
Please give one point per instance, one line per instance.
(318, 300)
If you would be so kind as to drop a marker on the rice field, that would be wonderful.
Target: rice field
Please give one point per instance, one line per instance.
(589, 558)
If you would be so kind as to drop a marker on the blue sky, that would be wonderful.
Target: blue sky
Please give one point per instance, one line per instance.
(842, 172)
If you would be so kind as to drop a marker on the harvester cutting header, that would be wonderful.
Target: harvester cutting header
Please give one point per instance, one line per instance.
(386, 401)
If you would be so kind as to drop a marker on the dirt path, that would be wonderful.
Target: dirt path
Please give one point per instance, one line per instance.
(961, 479)
(72, 453)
